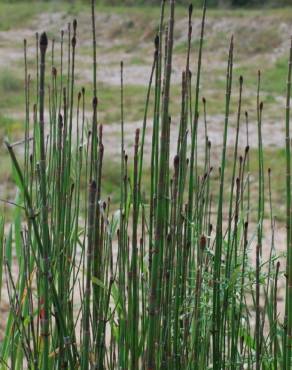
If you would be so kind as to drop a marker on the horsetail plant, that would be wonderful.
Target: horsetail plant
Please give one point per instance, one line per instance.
(174, 274)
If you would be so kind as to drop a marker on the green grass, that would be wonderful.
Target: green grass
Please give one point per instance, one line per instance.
(278, 75)
(273, 77)
(11, 89)
(9, 127)
(18, 15)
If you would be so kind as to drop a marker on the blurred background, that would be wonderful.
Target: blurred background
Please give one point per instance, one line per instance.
(215, 3)
(261, 28)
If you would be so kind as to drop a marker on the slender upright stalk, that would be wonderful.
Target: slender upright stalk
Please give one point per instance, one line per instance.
(134, 263)
(153, 332)
(288, 305)
(94, 47)
(257, 324)
(219, 234)
(275, 318)
(44, 206)
(193, 173)
(87, 293)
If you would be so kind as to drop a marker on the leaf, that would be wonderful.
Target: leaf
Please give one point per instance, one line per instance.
(98, 282)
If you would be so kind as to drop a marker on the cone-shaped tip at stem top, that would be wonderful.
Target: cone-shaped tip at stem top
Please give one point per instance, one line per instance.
(94, 102)
(73, 41)
(246, 114)
(122, 64)
(156, 42)
(190, 9)
(241, 80)
(43, 41)
(261, 105)
(137, 136)
(203, 242)
(204, 100)
(75, 25)
(83, 90)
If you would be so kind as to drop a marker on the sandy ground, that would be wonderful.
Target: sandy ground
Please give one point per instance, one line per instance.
(114, 45)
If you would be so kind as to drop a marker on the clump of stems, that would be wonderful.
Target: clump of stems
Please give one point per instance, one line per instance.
(169, 277)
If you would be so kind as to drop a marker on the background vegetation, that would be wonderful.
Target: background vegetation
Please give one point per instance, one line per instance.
(215, 3)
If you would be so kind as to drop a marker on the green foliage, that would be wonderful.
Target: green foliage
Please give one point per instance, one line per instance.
(9, 83)
(160, 267)
(210, 3)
